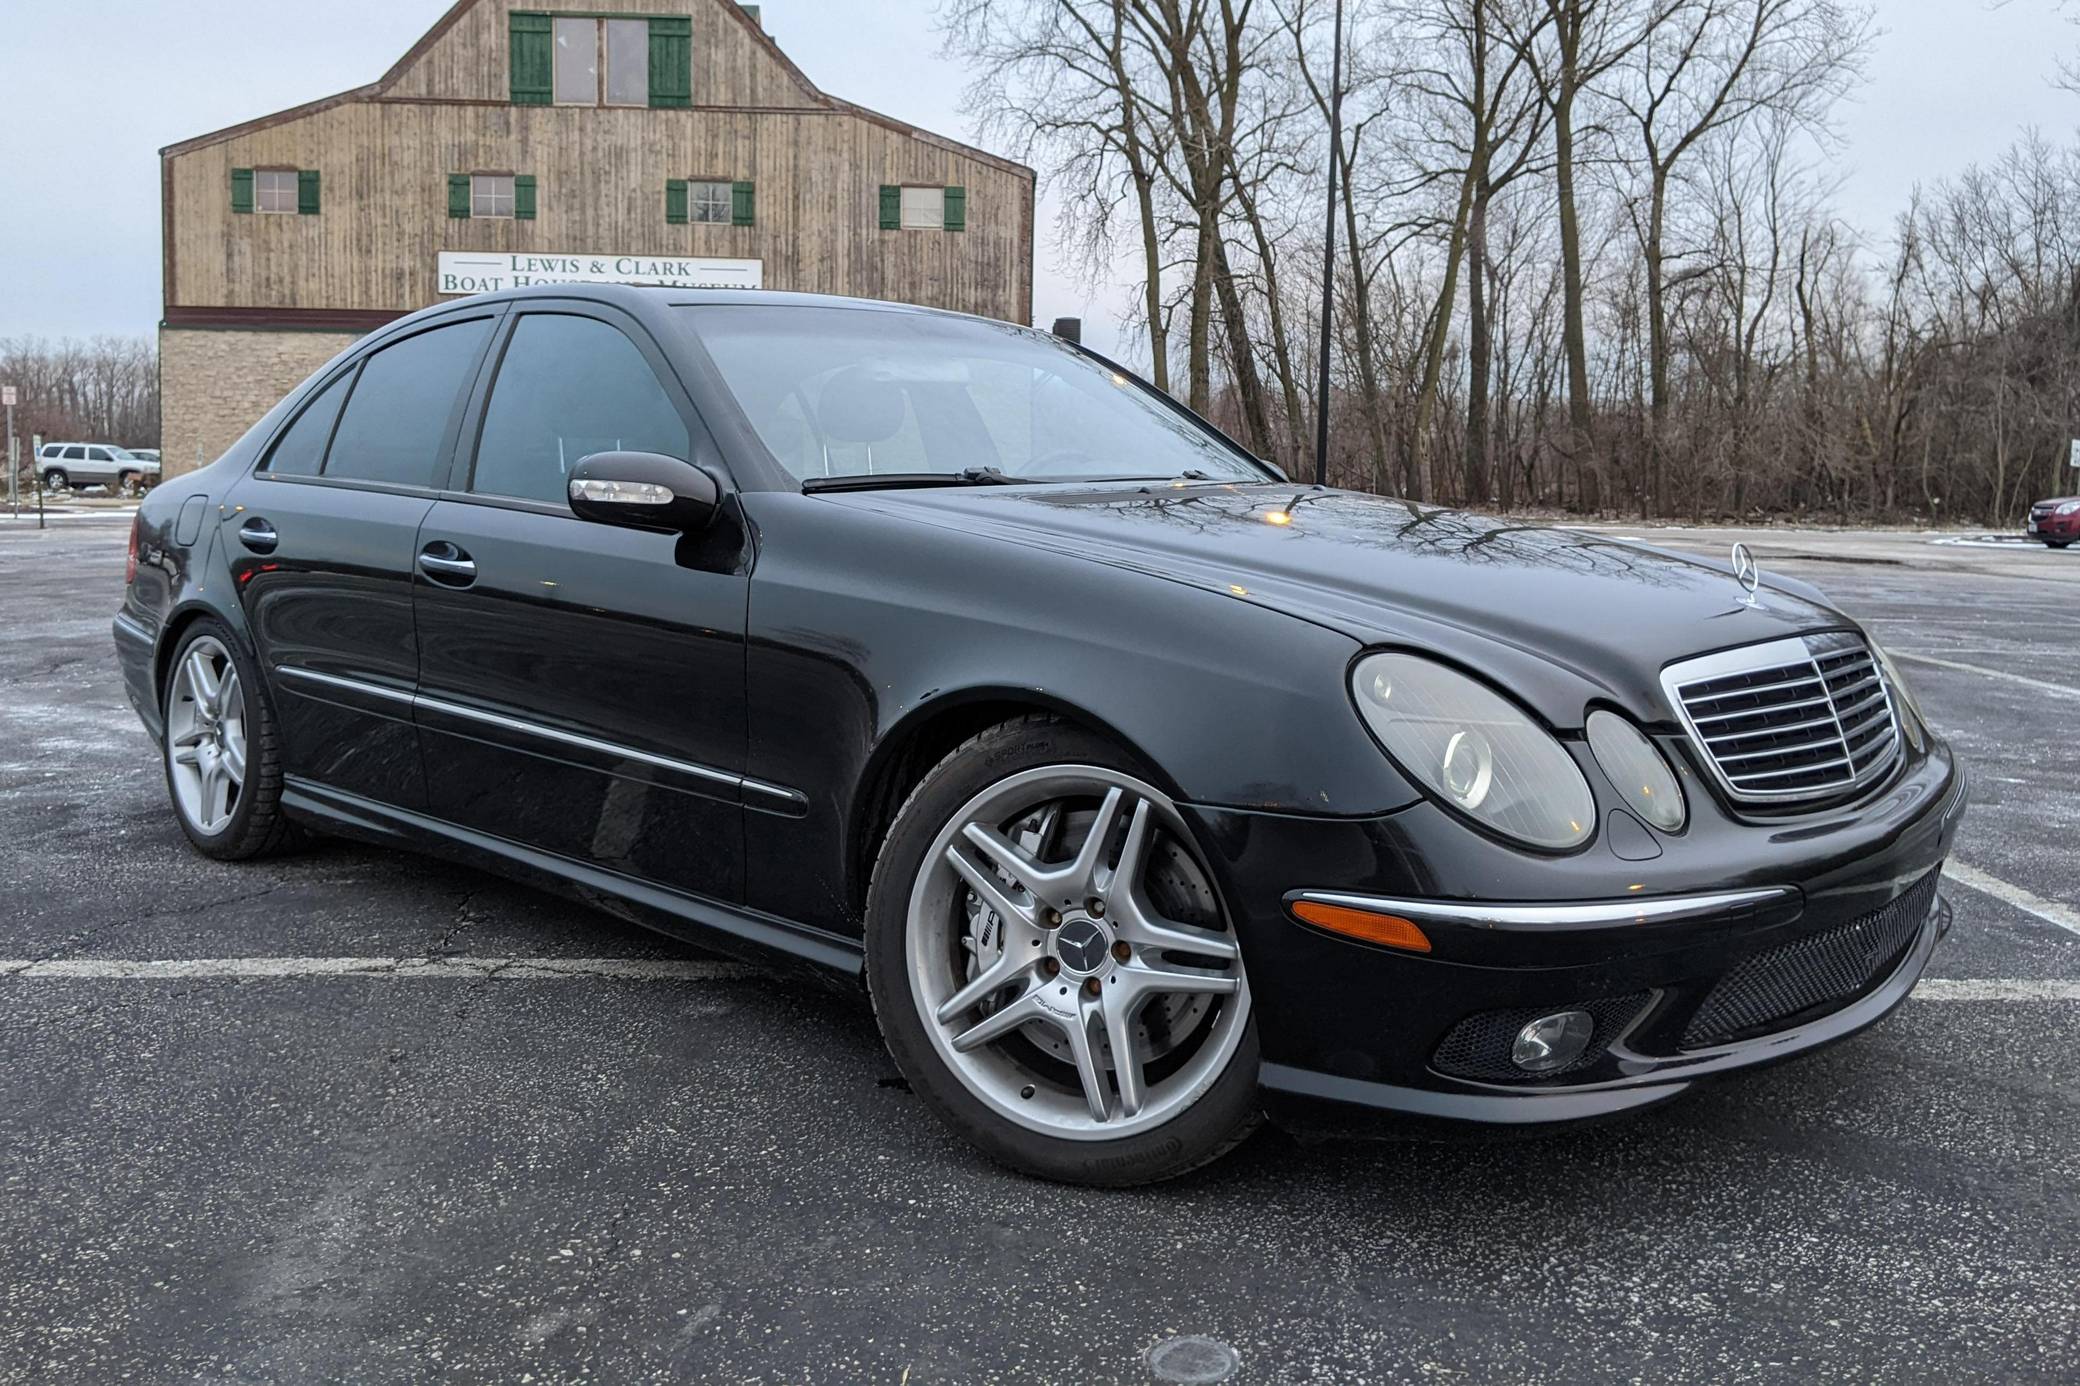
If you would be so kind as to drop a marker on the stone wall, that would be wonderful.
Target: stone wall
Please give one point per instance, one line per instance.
(214, 385)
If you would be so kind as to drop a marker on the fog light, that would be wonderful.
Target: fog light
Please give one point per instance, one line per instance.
(1552, 1041)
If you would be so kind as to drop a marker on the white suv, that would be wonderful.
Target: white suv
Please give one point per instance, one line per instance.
(66, 465)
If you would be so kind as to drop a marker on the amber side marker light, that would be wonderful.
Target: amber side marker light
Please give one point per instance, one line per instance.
(1389, 929)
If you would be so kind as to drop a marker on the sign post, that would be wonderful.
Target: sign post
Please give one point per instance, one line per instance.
(14, 455)
(36, 450)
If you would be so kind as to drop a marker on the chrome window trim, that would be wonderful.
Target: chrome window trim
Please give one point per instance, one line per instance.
(1657, 909)
(1778, 654)
(795, 801)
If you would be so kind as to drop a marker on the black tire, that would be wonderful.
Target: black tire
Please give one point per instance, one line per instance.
(129, 483)
(2058, 543)
(1222, 1117)
(256, 826)
(56, 480)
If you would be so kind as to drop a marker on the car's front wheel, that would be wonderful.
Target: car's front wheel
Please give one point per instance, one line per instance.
(223, 769)
(1051, 964)
(130, 483)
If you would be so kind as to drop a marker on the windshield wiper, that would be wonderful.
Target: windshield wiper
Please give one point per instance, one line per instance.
(870, 481)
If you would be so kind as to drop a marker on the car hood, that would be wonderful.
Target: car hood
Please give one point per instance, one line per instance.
(1559, 617)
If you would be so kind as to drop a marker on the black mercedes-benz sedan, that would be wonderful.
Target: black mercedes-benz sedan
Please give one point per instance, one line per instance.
(1146, 791)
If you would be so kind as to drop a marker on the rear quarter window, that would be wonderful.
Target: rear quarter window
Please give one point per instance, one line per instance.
(300, 451)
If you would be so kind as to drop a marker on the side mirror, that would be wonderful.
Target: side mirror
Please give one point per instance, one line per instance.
(643, 490)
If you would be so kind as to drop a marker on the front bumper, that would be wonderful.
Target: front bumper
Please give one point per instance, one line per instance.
(1840, 911)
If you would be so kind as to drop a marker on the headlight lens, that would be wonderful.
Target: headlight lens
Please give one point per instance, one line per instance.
(2068, 508)
(1474, 749)
(1639, 771)
(1903, 698)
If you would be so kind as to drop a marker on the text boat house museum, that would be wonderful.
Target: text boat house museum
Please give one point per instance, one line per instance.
(657, 142)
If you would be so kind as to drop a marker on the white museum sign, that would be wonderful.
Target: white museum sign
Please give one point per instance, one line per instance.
(480, 272)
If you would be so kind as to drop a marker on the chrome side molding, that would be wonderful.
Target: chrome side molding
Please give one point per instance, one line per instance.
(780, 798)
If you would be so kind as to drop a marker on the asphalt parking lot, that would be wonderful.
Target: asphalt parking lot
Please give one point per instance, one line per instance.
(519, 1162)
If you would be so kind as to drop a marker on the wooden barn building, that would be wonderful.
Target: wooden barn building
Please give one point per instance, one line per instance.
(661, 141)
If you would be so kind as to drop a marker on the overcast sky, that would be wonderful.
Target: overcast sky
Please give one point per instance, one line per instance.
(90, 90)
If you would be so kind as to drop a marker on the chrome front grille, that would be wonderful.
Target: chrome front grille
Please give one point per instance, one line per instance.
(1789, 723)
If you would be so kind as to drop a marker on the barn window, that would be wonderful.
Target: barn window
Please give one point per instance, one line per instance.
(592, 60)
(507, 196)
(274, 189)
(924, 209)
(491, 195)
(710, 201)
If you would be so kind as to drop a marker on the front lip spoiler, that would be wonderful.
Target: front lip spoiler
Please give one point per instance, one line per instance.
(1659, 1078)
(1655, 909)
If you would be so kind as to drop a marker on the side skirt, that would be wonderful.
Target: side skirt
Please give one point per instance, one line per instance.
(749, 934)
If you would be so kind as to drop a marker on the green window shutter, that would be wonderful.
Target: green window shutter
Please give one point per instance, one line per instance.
(307, 191)
(532, 53)
(458, 196)
(671, 61)
(740, 204)
(675, 200)
(523, 197)
(956, 209)
(891, 207)
(241, 190)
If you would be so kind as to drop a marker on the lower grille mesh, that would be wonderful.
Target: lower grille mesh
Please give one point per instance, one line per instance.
(1479, 1046)
(1828, 967)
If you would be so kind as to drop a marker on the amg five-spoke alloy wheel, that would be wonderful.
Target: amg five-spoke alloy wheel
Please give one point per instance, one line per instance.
(222, 769)
(1053, 966)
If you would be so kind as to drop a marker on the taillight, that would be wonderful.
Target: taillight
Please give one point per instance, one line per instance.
(130, 565)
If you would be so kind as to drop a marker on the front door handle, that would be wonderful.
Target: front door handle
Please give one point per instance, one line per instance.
(258, 535)
(447, 564)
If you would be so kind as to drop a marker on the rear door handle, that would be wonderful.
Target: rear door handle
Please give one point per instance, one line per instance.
(447, 564)
(258, 535)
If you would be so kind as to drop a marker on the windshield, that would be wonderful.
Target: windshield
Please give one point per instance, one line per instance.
(846, 392)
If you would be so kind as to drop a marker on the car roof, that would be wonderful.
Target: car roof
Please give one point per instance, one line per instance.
(644, 300)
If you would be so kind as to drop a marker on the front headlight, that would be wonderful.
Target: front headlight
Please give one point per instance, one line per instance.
(1903, 698)
(1474, 749)
(2068, 508)
(1639, 771)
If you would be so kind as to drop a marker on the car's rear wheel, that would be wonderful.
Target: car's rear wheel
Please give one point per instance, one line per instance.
(223, 766)
(1052, 966)
(55, 480)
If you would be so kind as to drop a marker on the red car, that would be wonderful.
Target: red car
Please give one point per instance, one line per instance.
(2056, 522)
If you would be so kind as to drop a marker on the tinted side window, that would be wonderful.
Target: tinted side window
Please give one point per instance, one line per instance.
(400, 407)
(301, 450)
(99, 455)
(75, 453)
(569, 387)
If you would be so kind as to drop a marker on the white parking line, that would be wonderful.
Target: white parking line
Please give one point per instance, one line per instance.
(519, 969)
(2029, 902)
(1994, 989)
(652, 970)
(2062, 690)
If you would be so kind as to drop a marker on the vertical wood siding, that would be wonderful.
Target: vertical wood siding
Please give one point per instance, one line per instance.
(815, 166)
(732, 66)
(600, 181)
